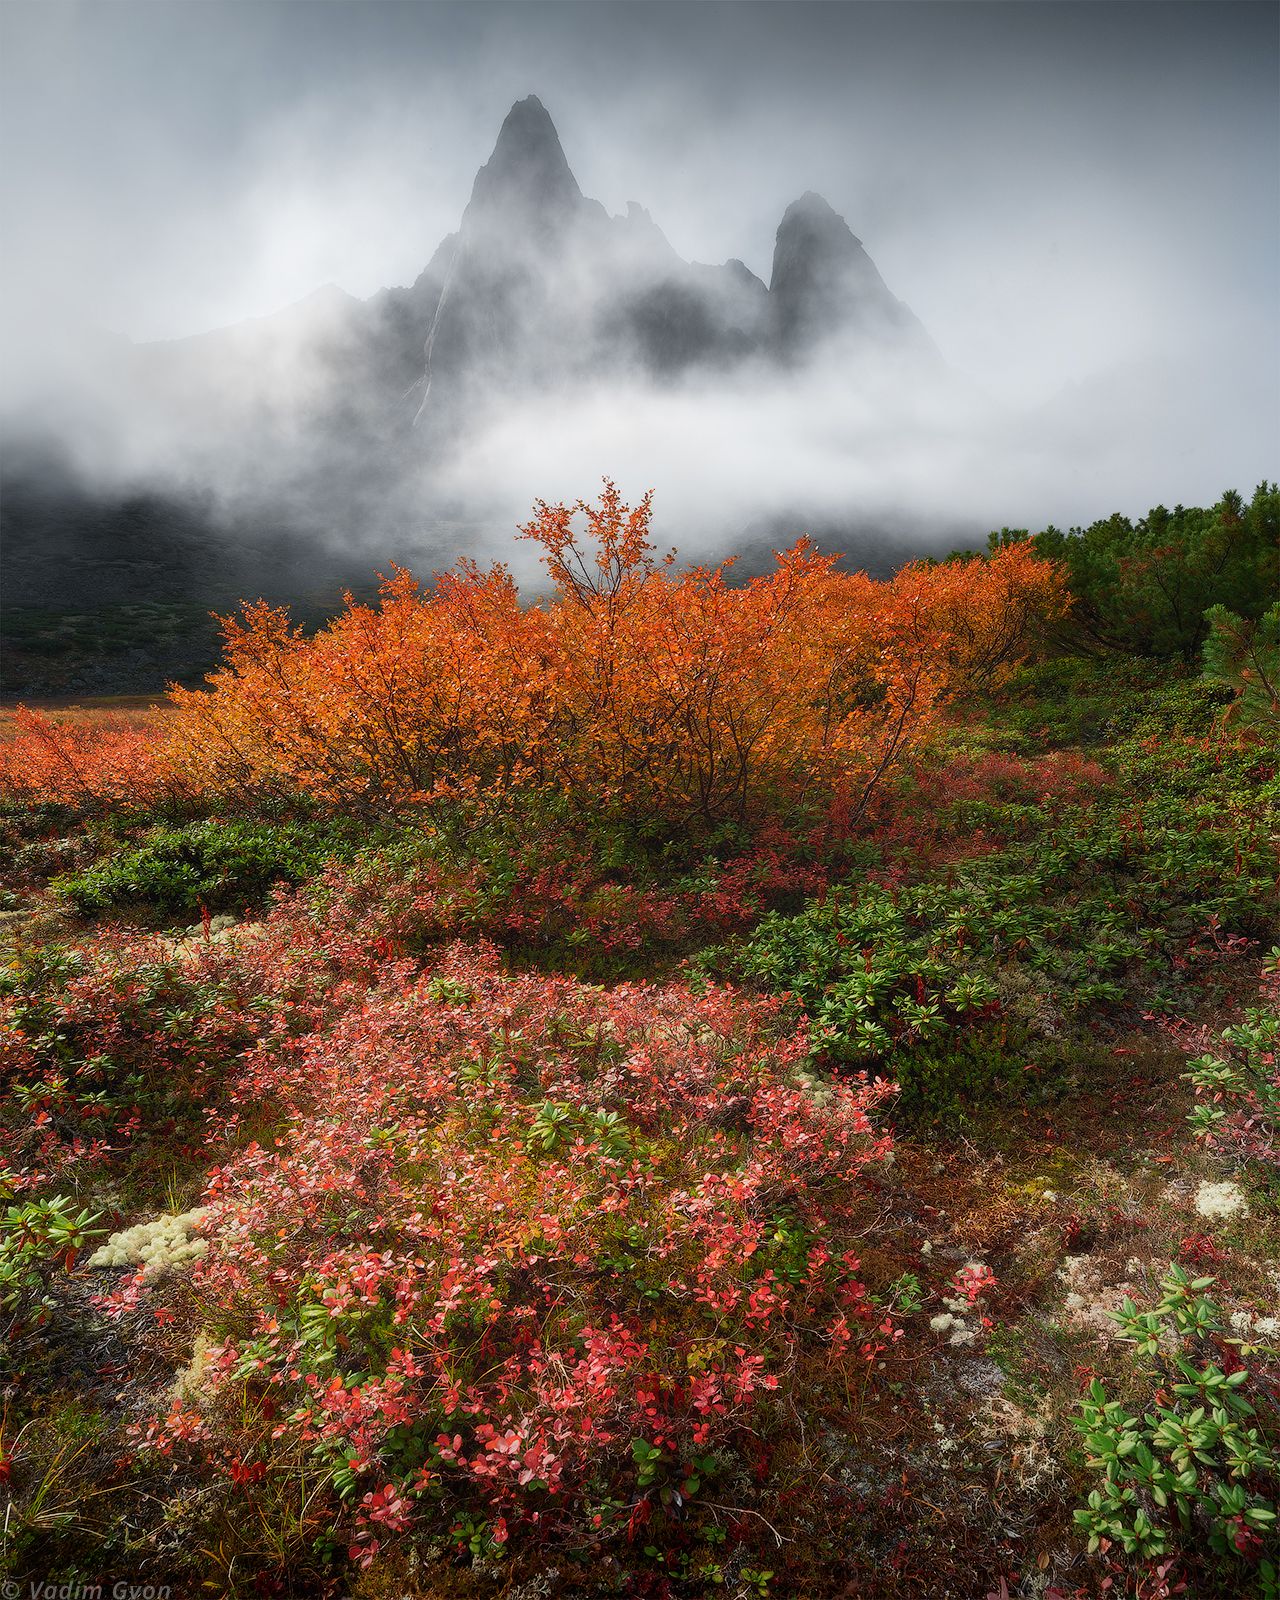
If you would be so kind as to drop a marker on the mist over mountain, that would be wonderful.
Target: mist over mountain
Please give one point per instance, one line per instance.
(545, 289)
(336, 406)
(545, 343)
(291, 453)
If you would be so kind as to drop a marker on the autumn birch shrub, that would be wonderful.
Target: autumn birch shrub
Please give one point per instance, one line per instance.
(426, 696)
(634, 688)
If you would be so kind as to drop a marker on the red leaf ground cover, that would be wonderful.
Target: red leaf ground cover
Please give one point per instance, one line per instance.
(508, 1248)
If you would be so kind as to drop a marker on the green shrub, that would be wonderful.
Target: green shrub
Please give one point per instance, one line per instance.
(37, 1238)
(1116, 901)
(1238, 1092)
(214, 865)
(105, 1056)
(1199, 1469)
(941, 1083)
(1077, 700)
(880, 968)
(1144, 587)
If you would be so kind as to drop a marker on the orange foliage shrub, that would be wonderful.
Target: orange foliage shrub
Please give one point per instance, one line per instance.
(81, 757)
(692, 694)
(634, 686)
(991, 612)
(422, 696)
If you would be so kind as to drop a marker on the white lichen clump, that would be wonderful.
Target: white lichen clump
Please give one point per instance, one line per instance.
(1089, 1299)
(1252, 1327)
(1092, 1296)
(1217, 1201)
(189, 1380)
(1083, 1282)
(162, 1245)
(1023, 1437)
(816, 1087)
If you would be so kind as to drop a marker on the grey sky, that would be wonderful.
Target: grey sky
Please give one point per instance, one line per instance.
(1056, 190)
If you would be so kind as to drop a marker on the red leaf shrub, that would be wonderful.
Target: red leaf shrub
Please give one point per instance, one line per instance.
(527, 1248)
(85, 756)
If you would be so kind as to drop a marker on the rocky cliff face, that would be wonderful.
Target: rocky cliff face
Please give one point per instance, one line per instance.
(545, 287)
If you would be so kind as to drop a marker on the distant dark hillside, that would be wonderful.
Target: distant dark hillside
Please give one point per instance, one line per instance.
(108, 594)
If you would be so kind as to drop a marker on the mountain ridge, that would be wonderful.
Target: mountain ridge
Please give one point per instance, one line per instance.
(468, 319)
(627, 296)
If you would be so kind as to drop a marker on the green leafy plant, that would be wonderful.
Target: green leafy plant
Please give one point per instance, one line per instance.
(214, 865)
(1238, 1091)
(556, 1125)
(905, 1294)
(1199, 1468)
(37, 1239)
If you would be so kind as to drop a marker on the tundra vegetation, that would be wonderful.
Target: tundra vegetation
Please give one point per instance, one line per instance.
(680, 1088)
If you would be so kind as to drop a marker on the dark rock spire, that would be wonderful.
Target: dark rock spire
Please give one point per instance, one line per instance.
(527, 176)
(824, 281)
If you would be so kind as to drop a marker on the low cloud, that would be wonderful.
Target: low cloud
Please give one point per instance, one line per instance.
(1074, 207)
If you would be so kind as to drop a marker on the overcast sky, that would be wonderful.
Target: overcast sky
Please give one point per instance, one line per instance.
(1056, 190)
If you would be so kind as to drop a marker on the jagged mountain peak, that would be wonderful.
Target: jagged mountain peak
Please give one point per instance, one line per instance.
(546, 287)
(541, 289)
(823, 281)
(810, 203)
(528, 171)
(810, 225)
